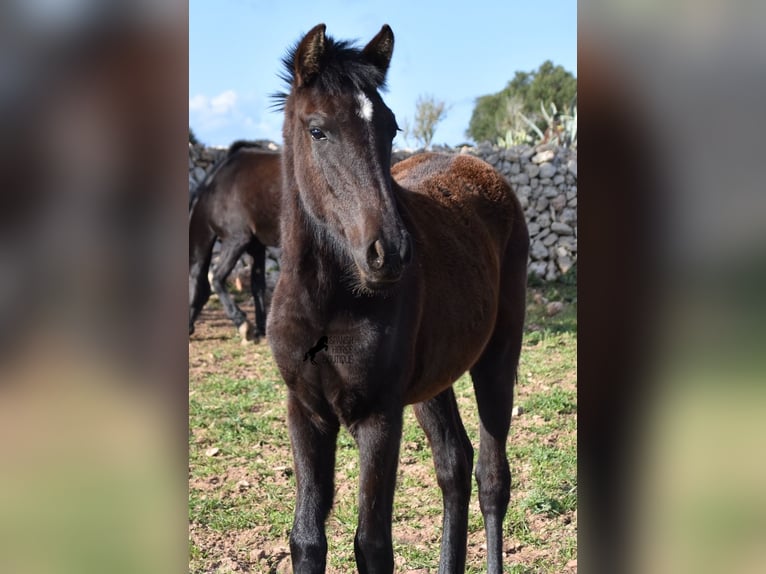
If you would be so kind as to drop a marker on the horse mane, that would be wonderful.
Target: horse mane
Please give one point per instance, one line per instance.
(342, 63)
(240, 144)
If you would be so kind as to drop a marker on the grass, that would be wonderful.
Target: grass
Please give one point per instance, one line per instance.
(241, 495)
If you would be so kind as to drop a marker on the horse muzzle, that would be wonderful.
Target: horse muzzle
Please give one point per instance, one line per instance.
(384, 261)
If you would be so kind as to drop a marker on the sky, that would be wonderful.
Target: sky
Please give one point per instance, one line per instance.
(451, 51)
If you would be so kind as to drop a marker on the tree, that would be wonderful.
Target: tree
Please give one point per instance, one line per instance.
(496, 114)
(192, 138)
(428, 113)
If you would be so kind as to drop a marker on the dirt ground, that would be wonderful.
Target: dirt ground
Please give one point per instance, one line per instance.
(255, 548)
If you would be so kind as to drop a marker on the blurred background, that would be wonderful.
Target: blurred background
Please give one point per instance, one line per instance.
(671, 410)
(93, 272)
(92, 299)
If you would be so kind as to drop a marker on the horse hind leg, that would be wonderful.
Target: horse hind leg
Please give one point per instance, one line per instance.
(494, 375)
(201, 240)
(453, 460)
(258, 285)
(231, 250)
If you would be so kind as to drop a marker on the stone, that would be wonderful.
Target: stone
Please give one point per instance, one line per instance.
(554, 308)
(544, 219)
(538, 250)
(558, 180)
(513, 168)
(551, 273)
(542, 204)
(532, 170)
(547, 170)
(561, 228)
(568, 216)
(533, 228)
(564, 263)
(544, 156)
(520, 178)
(524, 190)
(550, 239)
(199, 174)
(572, 167)
(537, 268)
(528, 154)
(492, 158)
(524, 201)
(549, 191)
(511, 155)
(568, 243)
(559, 202)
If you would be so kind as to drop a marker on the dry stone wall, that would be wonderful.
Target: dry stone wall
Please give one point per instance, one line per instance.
(544, 178)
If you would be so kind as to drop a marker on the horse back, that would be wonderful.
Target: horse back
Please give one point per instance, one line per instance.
(244, 194)
(259, 188)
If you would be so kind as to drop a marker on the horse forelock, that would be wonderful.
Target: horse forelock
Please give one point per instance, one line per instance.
(343, 67)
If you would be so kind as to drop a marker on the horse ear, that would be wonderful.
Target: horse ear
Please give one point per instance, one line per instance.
(308, 55)
(380, 49)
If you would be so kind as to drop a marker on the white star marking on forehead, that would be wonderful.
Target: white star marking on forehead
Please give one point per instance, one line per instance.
(365, 106)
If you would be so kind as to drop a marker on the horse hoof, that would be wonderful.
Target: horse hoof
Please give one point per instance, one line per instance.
(245, 329)
(249, 333)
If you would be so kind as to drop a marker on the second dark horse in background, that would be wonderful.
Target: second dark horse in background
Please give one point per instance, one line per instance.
(237, 203)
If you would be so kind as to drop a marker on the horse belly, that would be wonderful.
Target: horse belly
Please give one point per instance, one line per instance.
(454, 331)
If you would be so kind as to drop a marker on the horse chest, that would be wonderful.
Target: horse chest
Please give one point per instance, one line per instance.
(343, 363)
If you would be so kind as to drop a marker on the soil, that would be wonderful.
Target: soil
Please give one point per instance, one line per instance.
(223, 551)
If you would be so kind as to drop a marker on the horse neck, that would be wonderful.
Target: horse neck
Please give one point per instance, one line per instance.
(306, 249)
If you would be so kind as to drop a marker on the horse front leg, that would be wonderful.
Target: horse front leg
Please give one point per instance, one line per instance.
(378, 437)
(314, 459)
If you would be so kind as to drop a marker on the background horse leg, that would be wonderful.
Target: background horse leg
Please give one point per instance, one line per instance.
(201, 240)
(314, 457)
(258, 285)
(453, 459)
(231, 250)
(378, 437)
(494, 375)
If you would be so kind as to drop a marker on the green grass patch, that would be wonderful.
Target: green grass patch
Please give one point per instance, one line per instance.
(237, 406)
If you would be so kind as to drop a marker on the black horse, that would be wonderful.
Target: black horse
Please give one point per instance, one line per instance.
(237, 203)
(421, 271)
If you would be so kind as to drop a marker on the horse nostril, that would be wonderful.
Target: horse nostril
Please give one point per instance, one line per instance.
(376, 255)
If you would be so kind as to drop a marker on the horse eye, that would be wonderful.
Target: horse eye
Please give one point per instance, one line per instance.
(317, 134)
